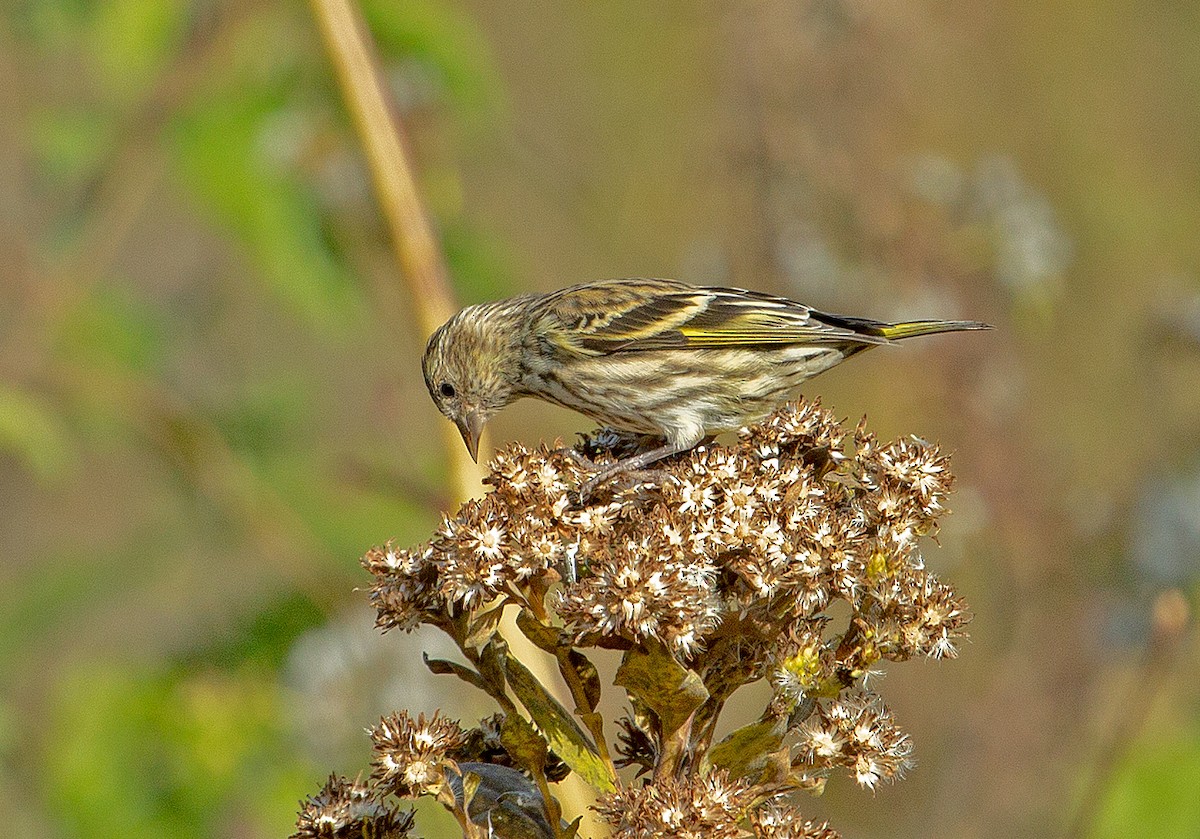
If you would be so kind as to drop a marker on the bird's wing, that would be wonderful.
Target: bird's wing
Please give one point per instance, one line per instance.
(634, 315)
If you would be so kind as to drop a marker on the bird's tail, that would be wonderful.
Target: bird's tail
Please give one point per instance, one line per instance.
(913, 328)
(872, 331)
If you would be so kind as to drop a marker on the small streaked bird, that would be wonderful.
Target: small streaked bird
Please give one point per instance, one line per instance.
(650, 356)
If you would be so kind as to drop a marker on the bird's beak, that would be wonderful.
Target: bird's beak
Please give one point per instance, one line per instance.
(471, 428)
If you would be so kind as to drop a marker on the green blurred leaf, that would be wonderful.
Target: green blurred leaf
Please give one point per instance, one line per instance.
(445, 39)
(131, 40)
(8, 727)
(264, 639)
(50, 23)
(51, 595)
(271, 419)
(70, 142)
(478, 262)
(113, 329)
(146, 754)
(230, 151)
(343, 519)
(1154, 793)
(32, 430)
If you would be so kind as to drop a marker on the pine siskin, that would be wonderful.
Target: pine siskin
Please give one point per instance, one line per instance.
(651, 356)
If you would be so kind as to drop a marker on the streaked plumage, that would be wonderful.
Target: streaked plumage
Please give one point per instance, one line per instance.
(652, 356)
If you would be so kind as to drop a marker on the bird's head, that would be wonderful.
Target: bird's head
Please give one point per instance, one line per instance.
(471, 365)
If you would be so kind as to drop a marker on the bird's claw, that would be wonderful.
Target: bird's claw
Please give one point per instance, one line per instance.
(633, 476)
(583, 461)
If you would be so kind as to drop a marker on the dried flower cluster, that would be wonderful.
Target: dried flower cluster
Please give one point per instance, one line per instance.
(779, 821)
(411, 755)
(349, 810)
(694, 807)
(858, 733)
(769, 532)
(718, 571)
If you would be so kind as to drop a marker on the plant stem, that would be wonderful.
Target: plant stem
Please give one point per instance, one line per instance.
(414, 244)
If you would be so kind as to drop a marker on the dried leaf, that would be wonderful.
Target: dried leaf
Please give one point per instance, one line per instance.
(484, 626)
(470, 783)
(588, 676)
(441, 666)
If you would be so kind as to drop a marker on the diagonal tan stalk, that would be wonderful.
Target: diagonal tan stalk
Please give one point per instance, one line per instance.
(414, 244)
(348, 42)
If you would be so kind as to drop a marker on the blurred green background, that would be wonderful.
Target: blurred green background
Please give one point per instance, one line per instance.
(211, 404)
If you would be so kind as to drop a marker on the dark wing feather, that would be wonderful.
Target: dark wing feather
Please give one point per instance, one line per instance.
(636, 315)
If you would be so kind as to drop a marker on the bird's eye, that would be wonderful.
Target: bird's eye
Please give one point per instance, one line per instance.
(447, 389)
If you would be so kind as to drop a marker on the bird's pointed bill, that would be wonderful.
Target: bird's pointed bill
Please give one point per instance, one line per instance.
(470, 427)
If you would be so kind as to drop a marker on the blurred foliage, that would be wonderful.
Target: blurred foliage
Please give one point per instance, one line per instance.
(31, 430)
(115, 329)
(154, 754)
(195, 290)
(1154, 793)
(210, 399)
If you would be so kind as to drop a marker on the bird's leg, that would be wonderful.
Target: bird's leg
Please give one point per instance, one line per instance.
(635, 466)
(582, 460)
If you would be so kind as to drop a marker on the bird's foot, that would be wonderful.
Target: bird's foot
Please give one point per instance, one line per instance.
(629, 467)
(624, 472)
(583, 461)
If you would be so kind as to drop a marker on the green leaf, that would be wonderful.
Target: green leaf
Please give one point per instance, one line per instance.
(440, 667)
(651, 674)
(545, 638)
(746, 751)
(552, 640)
(521, 741)
(30, 429)
(560, 729)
